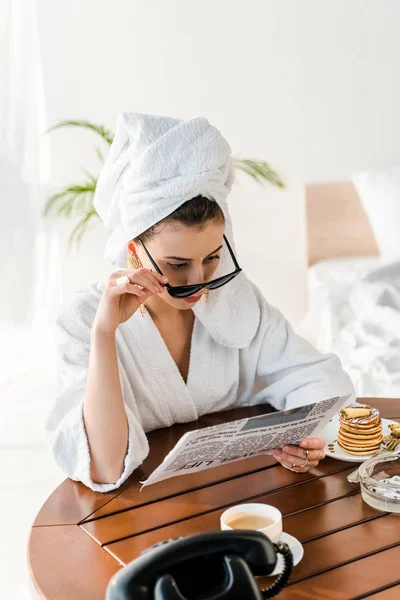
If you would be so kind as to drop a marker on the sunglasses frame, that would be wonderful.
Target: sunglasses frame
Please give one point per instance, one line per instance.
(184, 291)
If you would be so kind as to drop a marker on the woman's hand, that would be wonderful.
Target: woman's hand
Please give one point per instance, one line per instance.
(301, 458)
(120, 300)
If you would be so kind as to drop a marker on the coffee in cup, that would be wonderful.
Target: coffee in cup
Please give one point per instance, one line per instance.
(244, 520)
(255, 516)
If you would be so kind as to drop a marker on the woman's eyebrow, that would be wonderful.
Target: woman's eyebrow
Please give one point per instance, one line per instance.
(190, 259)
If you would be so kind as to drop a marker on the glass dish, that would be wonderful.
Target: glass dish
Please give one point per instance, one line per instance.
(380, 482)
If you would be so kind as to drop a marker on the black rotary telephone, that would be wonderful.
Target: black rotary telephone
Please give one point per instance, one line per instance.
(218, 565)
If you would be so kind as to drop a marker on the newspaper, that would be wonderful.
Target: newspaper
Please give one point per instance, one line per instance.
(228, 442)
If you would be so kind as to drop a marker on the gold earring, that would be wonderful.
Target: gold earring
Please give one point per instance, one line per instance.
(206, 293)
(133, 261)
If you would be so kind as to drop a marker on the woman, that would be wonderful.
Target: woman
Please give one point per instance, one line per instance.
(177, 331)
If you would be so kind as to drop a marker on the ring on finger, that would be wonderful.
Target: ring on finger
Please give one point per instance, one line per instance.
(123, 279)
(305, 464)
(306, 452)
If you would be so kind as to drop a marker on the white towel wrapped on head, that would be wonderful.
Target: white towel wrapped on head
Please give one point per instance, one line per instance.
(156, 164)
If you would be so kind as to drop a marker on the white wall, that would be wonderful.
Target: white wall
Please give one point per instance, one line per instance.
(309, 85)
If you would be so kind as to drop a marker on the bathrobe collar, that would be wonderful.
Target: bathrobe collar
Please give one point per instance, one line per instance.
(168, 388)
(232, 314)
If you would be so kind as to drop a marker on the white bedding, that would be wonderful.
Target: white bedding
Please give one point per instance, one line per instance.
(354, 311)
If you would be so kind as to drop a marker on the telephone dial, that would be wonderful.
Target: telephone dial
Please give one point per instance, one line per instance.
(217, 565)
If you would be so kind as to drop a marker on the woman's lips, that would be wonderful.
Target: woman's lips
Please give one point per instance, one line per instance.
(192, 299)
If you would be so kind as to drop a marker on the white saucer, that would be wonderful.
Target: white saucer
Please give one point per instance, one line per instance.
(297, 551)
(332, 448)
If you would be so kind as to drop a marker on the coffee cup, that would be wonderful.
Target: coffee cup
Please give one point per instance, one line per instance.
(255, 516)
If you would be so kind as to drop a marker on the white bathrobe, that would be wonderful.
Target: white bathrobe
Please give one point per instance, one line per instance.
(261, 360)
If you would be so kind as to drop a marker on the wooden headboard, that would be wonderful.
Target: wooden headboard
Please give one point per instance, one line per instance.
(336, 222)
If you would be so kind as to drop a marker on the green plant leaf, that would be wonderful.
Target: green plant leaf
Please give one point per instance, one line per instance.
(104, 133)
(99, 154)
(76, 198)
(260, 170)
(82, 226)
(92, 180)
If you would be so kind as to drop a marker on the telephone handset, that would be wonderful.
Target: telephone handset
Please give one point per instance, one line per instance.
(217, 565)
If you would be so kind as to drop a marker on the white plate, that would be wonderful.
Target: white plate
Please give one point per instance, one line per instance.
(329, 433)
(297, 551)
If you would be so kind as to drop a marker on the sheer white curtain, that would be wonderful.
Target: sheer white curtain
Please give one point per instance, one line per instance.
(30, 290)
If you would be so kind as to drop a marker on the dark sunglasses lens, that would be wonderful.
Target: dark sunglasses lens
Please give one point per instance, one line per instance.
(189, 290)
(221, 281)
(184, 292)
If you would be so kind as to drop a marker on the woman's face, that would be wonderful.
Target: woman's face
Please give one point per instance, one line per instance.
(186, 255)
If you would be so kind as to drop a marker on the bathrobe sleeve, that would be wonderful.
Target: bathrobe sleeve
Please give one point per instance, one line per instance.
(65, 424)
(291, 372)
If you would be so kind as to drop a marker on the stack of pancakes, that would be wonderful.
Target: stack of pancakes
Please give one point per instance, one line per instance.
(360, 430)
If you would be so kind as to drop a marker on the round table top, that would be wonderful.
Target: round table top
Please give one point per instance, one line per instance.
(80, 538)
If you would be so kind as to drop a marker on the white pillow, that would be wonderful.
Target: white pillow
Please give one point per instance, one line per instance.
(379, 192)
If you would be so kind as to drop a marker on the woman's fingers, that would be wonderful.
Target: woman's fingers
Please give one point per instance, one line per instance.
(142, 291)
(292, 466)
(294, 451)
(295, 459)
(161, 279)
(140, 277)
(300, 453)
(146, 282)
(314, 443)
(130, 288)
(149, 273)
(154, 278)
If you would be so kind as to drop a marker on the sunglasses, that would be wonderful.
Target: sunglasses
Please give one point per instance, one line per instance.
(184, 291)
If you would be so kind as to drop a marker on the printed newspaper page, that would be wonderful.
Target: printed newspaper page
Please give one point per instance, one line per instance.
(212, 446)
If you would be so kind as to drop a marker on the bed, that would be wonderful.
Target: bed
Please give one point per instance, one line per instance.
(353, 290)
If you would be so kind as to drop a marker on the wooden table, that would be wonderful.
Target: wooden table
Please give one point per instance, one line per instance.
(80, 538)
